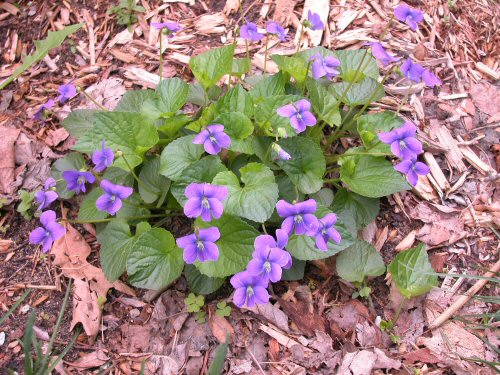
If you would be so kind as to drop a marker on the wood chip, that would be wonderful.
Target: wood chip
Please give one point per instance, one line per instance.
(453, 153)
(281, 338)
(407, 242)
(436, 171)
(485, 69)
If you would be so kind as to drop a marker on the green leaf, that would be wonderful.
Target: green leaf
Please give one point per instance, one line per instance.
(235, 246)
(116, 242)
(178, 156)
(203, 170)
(307, 165)
(241, 66)
(324, 197)
(173, 94)
(88, 209)
(256, 199)
(412, 272)
(236, 124)
(172, 125)
(199, 283)
(269, 87)
(130, 209)
(141, 101)
(79, 122)
(372, 176)
(217, 366)
(207, 116)
(119, 176)
(54, 39)
(26, 204)
(359, 261)
(197, 95)
(154, 260)
(364, 92)
(72, 161)
(210, 66)
(296, 272)
(355, 210)
(268, 119)
(237, 99)
(350, 60)
(295, 66)
(130, 132)
(371, 124)
(324, 103)
(155, 183)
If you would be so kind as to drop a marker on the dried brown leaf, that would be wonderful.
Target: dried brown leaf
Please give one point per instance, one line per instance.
(220, 326)
(273, 314)
(89, 360)
(7, 162)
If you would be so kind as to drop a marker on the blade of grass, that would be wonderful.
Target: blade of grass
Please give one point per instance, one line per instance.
(28, 333)
(65, 351)
(14, 306)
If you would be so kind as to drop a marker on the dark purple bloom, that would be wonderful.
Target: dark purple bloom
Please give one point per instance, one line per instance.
(213, 139)
(111, 200)
(250, 32)
(49, 183)
(402, 140)
(412, 71)
(298, 216)
(412, 168)
(381, 54)
(324, 66)
(299, 115)
(408, 15)
(76, 180)
(49, 232)
(327, 232)
(45, 198)
(430, 79)
(204, 200)
(249, 290)
(315, 22)
(270, 257)
(200, 245)
(41, 112)
(66, 92)
(169, 27)
(102, 158)
(280, 153)
(275, 29)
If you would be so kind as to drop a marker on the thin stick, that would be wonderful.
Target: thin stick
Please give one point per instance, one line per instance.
(463, 299)
(255, 360)
(89, 97)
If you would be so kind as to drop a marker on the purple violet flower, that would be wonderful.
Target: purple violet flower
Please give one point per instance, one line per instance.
(204, 200)
(402, 140)
(66, 92)
(49, 183)
(250, 32)
(200, 245)
(111, 200)
(213, 139)
(298, 217)
(430, 79)
(275, 29)
(270, 257)
(327, 232)
(49, 232)
(412, 71)
(280, 153)
(76, 180)
(412, 168)
(41, 112)
(381, 54)
(299, 115)
(314, 21)
(249, 290)
(102, 158)
(170, 27)
(45, 198)
(408, 15)
(324, 66)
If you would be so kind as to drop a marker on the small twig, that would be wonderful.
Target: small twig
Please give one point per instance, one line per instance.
(256, 362)
(463, 299)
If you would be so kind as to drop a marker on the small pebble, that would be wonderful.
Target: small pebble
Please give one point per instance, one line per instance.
(25, 309)
(134, 313)
(2, 338)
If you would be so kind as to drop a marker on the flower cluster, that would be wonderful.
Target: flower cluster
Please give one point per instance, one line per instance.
(66, 92)
(405, 146)
(204, 201)
(270, 257)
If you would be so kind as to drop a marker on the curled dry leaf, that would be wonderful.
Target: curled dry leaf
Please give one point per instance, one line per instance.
(7, 162)
(220, 326)
(90, 360)
(90, 287)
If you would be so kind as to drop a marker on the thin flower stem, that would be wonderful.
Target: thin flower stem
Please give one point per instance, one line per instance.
(147, 206)
(161, 56)
(305, 80)
(333, 158)
(142, 184)
(405, 99)
(300, 38)
(331, 180)
(398, 311)
(91, 99)
(264, 228)
(359, 69)
(265, 56)
(248, 56)
(123, 218)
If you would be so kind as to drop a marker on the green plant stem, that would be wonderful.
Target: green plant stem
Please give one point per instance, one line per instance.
(265, 56)
(304, 85)
(56, 327)
(398, 311)
(334, 158)
(300, 38)
(248, 57)
(359, 69)
(331, 180)
(161, 56)
(112, 218)
(405, 99)
(139, 182)
(264, 228)
(91, 99)
(146, 206)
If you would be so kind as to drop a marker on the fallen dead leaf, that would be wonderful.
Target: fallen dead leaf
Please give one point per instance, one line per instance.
(220, 327)
(273, 314)
(421, 355)
(486, 97)
(358, 363)
(90, 360)
(90, 287)
(5, 245)
(7, 162)
(56, 137)
(107, 92)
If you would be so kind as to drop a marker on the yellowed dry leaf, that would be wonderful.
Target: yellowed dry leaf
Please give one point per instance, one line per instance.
(220, 326)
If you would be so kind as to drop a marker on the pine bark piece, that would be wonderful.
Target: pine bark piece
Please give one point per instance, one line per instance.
(453, 153)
